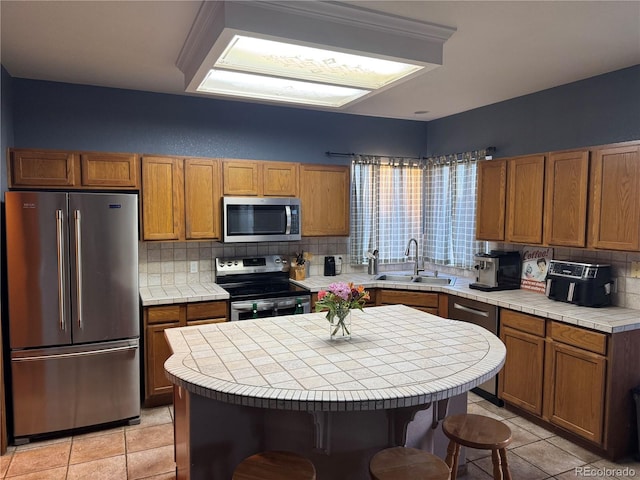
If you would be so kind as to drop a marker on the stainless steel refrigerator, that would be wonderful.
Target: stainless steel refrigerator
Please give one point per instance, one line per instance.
(72, 263)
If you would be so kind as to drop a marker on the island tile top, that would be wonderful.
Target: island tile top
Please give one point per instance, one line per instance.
(398, 357)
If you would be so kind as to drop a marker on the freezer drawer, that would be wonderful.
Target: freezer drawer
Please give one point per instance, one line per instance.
(64, 388)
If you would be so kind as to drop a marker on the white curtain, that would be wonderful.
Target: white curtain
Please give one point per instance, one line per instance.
(432, 201)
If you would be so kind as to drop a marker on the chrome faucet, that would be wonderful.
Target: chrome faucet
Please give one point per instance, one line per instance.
(406, 253)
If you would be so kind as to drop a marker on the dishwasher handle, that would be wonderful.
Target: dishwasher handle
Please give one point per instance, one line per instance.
(470, 310)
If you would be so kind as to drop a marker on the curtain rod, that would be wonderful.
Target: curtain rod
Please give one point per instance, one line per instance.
(487, 153)
(342, 154)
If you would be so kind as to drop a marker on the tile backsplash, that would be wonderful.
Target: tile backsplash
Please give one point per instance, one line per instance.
(626, 289)
(172, 263)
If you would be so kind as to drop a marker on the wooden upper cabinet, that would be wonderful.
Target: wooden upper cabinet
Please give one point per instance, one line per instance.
(525, 187)
(258, 178)
(241, 177)
(73, 170)
(202, 198)
(109, 170)
(280, 179)
(324, 198)
(162, 198)
(565, 204)
(615, 198)
(42, 168)
(491, 198)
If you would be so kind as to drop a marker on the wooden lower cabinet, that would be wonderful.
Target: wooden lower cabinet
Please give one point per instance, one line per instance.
(521, 380)
(425, 301)
(158, 390)
(575, 390)
(574, 380)
(158, 351)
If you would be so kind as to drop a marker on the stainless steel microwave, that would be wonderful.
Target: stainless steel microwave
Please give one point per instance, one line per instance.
(260, 219)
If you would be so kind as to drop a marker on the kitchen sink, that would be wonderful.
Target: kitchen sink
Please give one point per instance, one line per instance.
(434, 280)
(424, 279)
(395, 278)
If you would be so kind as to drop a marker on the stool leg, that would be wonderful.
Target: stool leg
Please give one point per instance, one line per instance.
(505, 465)
(453, 451)
(497, 471)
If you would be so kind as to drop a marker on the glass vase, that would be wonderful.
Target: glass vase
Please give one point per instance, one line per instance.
(340, 325)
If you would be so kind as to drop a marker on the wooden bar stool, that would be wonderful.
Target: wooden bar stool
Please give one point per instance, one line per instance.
(478, 431)
(275, 465)
(403, 463)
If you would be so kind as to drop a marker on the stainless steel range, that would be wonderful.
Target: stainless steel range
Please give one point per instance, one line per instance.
(259, 287)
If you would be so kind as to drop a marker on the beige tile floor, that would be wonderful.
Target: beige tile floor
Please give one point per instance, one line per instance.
(145, 451)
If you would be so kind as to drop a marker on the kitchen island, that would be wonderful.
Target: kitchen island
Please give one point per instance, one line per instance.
(280, 383)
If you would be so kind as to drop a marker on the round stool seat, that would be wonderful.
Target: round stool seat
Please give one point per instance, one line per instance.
(403, 463)
(478, 431)
(275, 465)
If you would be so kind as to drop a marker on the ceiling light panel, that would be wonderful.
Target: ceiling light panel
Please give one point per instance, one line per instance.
(275, 58)
(326, 54)
(247, 85)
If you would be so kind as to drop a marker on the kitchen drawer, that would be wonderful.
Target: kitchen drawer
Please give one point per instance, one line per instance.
(579, 337)
(206, 321)
(522, 321)
(206, 310)
(412, 299)
(163, 314)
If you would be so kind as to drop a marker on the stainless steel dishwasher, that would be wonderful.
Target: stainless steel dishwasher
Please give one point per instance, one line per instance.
(486, 316)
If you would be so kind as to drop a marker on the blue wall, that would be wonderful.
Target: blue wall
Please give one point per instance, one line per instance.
(598, 110)
(6, 122)
(595, 111)
(64, 116)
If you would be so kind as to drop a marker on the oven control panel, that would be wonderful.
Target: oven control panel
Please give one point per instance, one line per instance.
(245, 265)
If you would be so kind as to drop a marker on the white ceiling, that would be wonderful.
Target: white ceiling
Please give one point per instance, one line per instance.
(500, 50)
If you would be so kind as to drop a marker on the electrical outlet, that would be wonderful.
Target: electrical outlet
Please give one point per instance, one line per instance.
(635, 269)
(193, 266)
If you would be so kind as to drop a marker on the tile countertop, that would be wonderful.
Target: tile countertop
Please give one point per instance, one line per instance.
(168, 294)
(606, 319)
(397, 357)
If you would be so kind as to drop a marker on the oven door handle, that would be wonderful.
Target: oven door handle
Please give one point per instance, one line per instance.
(247, 307)
(292, 302)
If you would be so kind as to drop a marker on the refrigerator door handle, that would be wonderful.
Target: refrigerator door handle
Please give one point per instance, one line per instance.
(76, 354)
(76, 215)
(60, 254)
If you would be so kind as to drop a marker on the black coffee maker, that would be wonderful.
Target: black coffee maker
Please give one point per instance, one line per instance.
(329, 266)
(497, 270)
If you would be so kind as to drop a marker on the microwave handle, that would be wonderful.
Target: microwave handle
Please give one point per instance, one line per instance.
(287, 210)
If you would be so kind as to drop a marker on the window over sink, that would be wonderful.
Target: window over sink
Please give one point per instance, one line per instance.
(433, 200)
